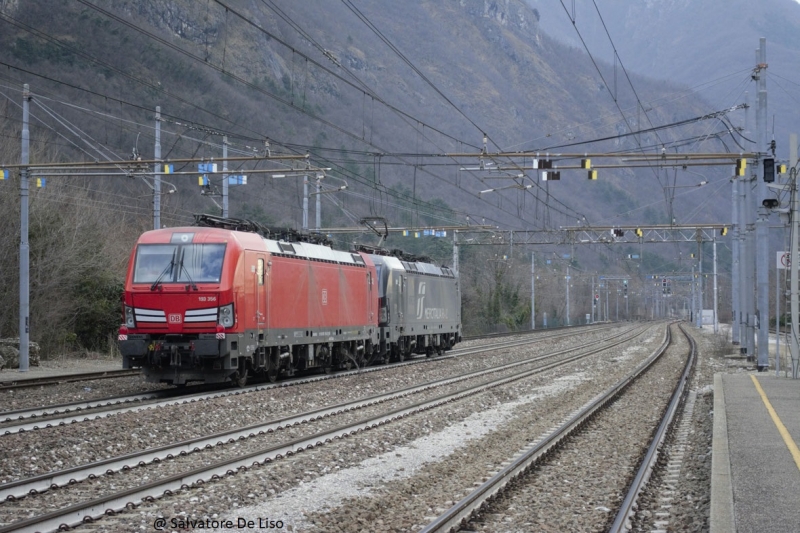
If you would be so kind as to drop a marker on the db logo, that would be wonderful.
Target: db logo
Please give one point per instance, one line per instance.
(175, 318)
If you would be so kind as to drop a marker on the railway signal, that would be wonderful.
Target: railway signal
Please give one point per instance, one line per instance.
(741, 165)
(769, 170)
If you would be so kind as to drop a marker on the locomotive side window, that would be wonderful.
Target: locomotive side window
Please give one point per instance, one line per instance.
(260, 272)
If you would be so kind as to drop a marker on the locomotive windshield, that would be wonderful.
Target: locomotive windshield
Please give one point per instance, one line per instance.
(182, 263)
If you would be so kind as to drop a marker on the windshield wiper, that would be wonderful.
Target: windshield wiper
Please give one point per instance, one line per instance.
(168, 268)
(188, 277)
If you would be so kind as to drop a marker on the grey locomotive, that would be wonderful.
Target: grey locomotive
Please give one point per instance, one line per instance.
(419, 309)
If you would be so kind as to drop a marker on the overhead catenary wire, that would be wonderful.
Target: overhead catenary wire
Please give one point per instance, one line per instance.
(565, 213)
(259, 89)
(459, 187)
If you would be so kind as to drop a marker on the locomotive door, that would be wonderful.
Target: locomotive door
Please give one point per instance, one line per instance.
(257, 287)
(261, 296)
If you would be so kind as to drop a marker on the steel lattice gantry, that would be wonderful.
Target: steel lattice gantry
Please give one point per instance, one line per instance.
(570, 235)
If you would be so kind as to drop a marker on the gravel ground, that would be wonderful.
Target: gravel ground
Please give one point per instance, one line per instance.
(99, 389)
(689, 509)
(583, 483)
(42, 396)
(394, 478)
(32, 453)
(402, 483)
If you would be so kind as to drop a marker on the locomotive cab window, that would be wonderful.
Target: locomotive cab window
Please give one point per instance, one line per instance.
(152, 261)
(186, 263)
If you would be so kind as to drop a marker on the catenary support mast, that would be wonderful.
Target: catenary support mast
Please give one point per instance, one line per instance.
(157, 173)
(24, 248)
(762, 220)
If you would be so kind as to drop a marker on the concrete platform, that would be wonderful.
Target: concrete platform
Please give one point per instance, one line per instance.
(755, 480)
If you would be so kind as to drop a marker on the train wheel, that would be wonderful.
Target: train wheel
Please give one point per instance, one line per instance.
(241, 381)
(272, 374)
(327, 369)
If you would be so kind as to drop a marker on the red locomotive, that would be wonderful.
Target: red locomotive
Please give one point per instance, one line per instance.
(214, 304)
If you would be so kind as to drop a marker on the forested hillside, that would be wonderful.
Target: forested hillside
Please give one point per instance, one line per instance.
(367, 89)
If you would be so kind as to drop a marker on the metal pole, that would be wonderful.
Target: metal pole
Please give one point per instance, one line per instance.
(24, 249)
(699, 282)
(455, 252)
(305, 203)
(777, 318)
(694, 305)
(568, 294)
(748, 269)
(735, 303)
(745, 287)
(157, 173)
(594, 302)
(792, 161)
(318, 200)
(533, 292)
(762, 221)
(617, 311)
(224, 176)
(793, 284)
(716, 301)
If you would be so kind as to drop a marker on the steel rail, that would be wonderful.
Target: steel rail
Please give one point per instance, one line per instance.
(65, 378)
(20, 488)
(627, 509)
(113, 503)
(460, 513)
(27, 382)
(79, 406)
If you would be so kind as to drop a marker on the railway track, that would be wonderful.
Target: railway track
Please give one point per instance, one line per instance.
(29, 382)
(81, 411)
(464, 386)
(25, 383)
(506, 487)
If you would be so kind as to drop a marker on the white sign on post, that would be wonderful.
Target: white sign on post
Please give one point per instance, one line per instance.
(783, 260)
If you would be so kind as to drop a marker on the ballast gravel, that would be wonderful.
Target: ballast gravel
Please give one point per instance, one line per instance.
(419, 490)
(331, 491)
(43, 450)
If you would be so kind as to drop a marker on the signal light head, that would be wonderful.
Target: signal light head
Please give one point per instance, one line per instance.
(769, 170)
(741, 165)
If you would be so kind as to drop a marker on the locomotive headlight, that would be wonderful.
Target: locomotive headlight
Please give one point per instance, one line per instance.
(130, 321)
(226, 315)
